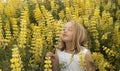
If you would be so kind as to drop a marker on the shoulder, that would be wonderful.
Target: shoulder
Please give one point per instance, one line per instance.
(84, 50)
(88, 55)
(87, 51)
(58, 51)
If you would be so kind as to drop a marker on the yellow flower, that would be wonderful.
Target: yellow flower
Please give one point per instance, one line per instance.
(16, 63)
(48, 64)
(82, 59)
(52, 4)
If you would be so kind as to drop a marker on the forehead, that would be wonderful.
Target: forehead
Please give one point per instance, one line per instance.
(68, 24)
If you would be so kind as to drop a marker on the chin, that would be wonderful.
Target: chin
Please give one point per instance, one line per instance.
(66, 40)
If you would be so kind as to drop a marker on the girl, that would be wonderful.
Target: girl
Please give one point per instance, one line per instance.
(72, 54)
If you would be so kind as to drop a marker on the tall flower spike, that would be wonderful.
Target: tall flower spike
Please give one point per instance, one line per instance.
(37, 46)
(48, 64)
(58, 30)
(68, 13)
(1, 7)
(116, 34)
(97, 13)
(82, 60)
(16, 63)
(49, 33)
(44, 11)
(9, 10)
(66, 3)
(23, 31)
(1, 34)
(1, 30)
(8, 35)
(100, 62)
(52, 3)
(108, 51)
(61, 15)
(14, 27)
(37, 14)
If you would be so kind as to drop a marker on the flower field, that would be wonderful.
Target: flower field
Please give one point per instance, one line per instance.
(31, 28)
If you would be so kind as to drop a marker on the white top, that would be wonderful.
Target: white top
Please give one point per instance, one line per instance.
(67, 63)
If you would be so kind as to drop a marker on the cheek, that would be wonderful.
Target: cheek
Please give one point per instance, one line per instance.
(67, 37)
(70, 36)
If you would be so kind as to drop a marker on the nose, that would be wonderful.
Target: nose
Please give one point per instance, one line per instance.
(65, 30)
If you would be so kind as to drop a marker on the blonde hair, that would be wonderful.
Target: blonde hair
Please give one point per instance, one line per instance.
(79, 38)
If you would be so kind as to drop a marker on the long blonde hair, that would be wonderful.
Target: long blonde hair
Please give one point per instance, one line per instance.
(79, 38)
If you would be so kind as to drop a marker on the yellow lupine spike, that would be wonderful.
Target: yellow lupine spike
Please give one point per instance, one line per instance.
(36, 45)
(61, 14)
(1, 30)
(1, 7)
(66, 3)
(105, 36)
(109, 51)
(8, 34)
(82, 59)
(14, 26)
(48, 64)
(52, 4)
(97, 13)
(87, 4)
(37, 14)
(16, 63)
(100, 62)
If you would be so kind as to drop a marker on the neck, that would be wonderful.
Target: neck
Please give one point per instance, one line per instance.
(69, 46)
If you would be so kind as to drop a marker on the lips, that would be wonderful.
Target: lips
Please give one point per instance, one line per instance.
(64, 35)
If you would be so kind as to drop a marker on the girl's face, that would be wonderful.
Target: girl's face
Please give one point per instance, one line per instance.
(67, 34)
